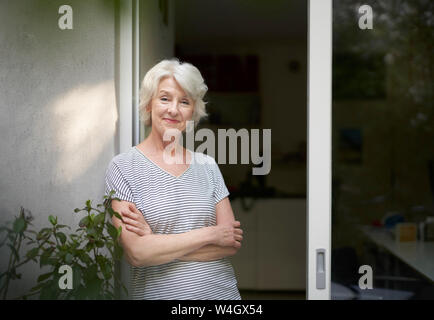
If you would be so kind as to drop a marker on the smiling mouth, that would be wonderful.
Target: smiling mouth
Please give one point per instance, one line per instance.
(171, 120)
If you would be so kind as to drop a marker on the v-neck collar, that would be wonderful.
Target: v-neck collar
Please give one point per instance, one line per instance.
(170, 174)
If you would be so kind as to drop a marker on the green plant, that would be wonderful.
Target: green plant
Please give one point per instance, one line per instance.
(91, 252)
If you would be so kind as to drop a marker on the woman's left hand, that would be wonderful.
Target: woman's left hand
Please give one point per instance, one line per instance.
(135, 222)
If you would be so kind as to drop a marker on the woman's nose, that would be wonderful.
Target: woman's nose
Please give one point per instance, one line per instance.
(173, 107)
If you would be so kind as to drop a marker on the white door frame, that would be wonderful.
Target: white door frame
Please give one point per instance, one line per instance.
(319, 149)
(128, 74)
(128, 81)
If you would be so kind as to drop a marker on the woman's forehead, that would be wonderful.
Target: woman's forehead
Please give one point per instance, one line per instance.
(171, 87)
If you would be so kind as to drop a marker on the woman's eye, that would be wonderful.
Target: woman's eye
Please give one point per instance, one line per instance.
(163, 99)
(186, 102)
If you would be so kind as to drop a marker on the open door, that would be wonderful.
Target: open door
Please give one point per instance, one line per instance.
(371, 155)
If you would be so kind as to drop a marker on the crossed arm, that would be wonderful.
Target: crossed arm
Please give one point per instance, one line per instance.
(143, 248)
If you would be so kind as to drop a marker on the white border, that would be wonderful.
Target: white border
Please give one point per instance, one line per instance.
(319, 142)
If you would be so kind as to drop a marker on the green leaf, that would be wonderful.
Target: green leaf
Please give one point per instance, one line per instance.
(19, 225)
(94, 287)
(90, 246)
(107, 270)
(117, 215)
(84, 222)
(118, 252)
(46, 257)
(68, 258)
(99, 243)
(88, 205)
(77, 275)
(44, 233)
(53, 220)
(85, 258)
(44, 260)
(61, 236)
(32, 253)
(44, 276)
(112, 231)
(91, 232)
(39, 286)
(99, 218)
(49, 292)
(77, 210)
(60, 226)
(119, 230)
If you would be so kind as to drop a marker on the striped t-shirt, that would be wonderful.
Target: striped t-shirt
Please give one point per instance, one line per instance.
(173, 205)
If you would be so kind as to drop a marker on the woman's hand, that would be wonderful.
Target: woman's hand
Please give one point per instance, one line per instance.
(229, 235)
(134, 220)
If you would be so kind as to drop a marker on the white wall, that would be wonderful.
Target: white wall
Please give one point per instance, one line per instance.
(58, 110)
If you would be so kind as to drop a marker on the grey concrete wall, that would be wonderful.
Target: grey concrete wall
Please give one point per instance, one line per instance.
(58, 110)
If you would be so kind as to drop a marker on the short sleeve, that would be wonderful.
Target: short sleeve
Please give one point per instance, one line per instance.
(220, 189)
(114, 180)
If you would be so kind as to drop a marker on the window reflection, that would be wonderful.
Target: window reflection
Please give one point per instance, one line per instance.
(383, 151)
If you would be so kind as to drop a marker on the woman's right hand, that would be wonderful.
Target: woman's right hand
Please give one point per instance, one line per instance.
(133, 218)
(229, 235)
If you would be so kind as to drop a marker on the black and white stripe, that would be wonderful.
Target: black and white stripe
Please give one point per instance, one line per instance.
(174, 205)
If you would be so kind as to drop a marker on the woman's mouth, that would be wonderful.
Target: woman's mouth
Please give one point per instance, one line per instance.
(170, 120)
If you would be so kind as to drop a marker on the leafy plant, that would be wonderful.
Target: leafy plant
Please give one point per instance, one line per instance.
(91, 252)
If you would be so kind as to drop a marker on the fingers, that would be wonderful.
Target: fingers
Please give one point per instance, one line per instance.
(238, 231)
(237, 244)
(238, 238)
(236, 224)
(136, 230)
(134, 209)
(131, 222)
(130, 214)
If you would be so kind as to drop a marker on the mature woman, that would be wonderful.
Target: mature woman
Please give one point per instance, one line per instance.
(178, 226)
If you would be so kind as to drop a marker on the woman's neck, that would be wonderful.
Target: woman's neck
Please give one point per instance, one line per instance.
(155, 144)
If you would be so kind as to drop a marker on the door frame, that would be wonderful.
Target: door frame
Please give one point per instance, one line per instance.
(128, 37)
(319, 96)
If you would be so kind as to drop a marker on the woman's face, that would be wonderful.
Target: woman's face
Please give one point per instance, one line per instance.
(171, 107)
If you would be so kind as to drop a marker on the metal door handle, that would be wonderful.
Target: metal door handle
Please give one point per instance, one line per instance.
(320, 269)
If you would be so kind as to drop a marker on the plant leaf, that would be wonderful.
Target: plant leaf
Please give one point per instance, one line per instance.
(44, 276)
(61, 236)
(32, 253)
(84, 222)
(112, 231)
(52, 220)
(19, 225)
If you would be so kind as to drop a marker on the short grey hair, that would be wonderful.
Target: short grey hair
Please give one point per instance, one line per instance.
(187, 76)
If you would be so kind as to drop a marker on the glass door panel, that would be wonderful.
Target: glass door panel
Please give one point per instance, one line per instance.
(382, 150)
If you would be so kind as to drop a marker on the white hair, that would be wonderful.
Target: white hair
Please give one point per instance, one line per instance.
(187, 76)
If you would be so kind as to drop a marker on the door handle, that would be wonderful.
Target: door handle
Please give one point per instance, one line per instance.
(320, 269)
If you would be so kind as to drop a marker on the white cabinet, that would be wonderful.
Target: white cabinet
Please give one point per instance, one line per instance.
(273, 253)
